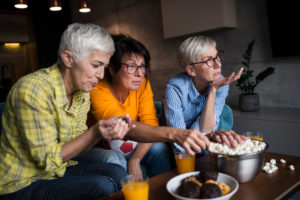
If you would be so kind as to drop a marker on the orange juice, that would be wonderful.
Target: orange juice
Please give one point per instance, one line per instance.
(256, 138)
(185, 163)
(136, 190)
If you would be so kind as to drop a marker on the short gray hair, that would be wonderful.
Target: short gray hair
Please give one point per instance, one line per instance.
(81, 39)
(192, 49)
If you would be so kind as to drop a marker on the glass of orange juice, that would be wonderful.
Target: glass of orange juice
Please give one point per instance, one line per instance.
(184, 162)
(255, 135)
(135, 188)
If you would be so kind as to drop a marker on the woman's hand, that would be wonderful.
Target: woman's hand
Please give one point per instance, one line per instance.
(227, 80)
(115, 128)
(228, 137)
(192, 141)
(134, 168)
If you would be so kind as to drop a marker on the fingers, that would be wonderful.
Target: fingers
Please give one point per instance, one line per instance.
(135, 169)
(233, 76)
(238, 75)
(199, 141)
(195, 142)
(113, 129)
(120, 130)
(238, 138)
(240, 72)
(129, 121)
(225, 139)
(110, 123)
(228, 137)
(188, 149)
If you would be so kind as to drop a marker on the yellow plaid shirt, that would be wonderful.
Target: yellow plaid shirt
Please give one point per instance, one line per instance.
(36, 122)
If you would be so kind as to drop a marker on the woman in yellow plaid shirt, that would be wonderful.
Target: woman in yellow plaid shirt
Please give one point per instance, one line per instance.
(44, 126)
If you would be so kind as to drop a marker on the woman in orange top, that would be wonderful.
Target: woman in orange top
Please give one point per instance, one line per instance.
(126, 89)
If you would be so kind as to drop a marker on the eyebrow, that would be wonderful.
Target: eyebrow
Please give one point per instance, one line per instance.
(134, 61)
(129, 59)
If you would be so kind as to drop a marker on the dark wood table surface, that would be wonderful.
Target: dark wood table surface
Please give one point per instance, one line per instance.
(264, 186)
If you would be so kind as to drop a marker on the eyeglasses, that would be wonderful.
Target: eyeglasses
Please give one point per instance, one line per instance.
(212, 61)
(133, 68)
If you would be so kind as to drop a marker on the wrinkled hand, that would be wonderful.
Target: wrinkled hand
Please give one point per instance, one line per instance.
(228, 137)
(227, 80)
(192, 141)
(114, 128)
(134, 168)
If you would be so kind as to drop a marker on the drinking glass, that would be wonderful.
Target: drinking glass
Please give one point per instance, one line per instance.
(184, 162)
(255, 135)
(135, 188)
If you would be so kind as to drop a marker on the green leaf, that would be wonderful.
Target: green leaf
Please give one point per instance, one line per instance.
(245, 63)
(264, 74)
(244, 83)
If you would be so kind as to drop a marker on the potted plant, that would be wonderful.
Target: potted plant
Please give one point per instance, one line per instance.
(248, 100)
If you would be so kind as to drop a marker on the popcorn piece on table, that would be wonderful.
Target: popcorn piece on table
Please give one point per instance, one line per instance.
(270, 167)
(273, 161)
(282, 161)
(292, 167)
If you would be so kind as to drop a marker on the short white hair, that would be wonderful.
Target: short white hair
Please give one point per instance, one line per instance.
(81, 39)
(192, 49)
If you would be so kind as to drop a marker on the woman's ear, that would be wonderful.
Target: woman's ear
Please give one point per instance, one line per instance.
(190, 70)
(67, 59)
(111, 71)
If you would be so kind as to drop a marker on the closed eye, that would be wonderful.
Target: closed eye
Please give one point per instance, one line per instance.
(95, 65)
(99, 64)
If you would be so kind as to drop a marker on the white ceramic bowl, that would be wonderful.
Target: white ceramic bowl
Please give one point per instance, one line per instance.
(175, 182)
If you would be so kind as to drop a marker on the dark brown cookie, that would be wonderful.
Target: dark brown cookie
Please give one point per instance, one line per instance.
(189, 189)
(207, 175)
(210, 190)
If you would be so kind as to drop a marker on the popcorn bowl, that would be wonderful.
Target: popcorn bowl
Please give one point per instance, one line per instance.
(244, 167)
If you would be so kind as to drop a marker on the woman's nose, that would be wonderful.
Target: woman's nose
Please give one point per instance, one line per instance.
(100, 74)
(217, 64)
(139, 72)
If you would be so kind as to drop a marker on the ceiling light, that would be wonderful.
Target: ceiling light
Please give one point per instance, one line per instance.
(12, 45)
(84, 7)
(55, 5)
(21, 4)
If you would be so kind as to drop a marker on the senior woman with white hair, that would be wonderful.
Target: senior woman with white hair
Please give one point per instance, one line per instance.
(194, 99)
(44, 125)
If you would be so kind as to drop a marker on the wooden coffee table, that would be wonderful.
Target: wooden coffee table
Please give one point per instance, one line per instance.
(264, 186)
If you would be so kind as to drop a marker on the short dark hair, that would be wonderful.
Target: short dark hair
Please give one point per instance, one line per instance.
(126, 45)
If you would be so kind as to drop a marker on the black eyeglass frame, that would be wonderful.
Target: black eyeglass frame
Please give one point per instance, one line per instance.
(217, 58)
(143, 68)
